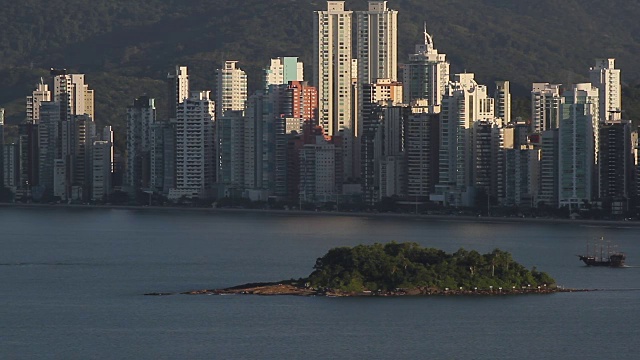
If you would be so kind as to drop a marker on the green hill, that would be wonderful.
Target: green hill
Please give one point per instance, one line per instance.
(127, 47)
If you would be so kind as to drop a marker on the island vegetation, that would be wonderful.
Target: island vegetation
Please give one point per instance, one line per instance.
(409, 266)
(396, 269)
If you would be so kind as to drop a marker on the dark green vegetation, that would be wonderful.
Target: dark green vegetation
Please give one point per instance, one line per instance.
(409, 266)
(126, 47)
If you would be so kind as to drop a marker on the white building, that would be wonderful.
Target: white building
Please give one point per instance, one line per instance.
(231, 88)
(465, 103)
(426, 74)
(282, 70)
(332, 75)
(195, 147)
(606, 78)
(577, 143)
(39, 95)
(545, 107)
(74, 95)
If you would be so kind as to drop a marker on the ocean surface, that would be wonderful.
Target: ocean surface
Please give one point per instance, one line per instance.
(71, 285)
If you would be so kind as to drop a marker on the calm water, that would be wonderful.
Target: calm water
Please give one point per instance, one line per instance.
(71, 282)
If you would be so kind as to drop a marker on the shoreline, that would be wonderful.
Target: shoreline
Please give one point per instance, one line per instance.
(461, 218)
(285, 288)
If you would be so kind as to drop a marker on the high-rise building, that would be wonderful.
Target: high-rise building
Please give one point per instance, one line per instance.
(318, 171)
(231, 88)
(230, 140)
(487, 139)
(521, 175)
(615, 160)
(257, 110)
(178, 89)
(426, 74)
(102, 166)
(195, 147)
(422, 149)
(549, 167)
(141, 116)
(49, 141)
(332, 75)
(606, 78)
(81, 138)
(302, 102)
(283, 70)
(502, 99)
(39, 95)
(465, 103)
(28, 158)
(377, 43)
(577, 146)
(10, 164)
(73, 94)
(545, 107)
(382, 93)
(389, 152)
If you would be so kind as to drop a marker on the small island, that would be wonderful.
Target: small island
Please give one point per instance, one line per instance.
(398, 269)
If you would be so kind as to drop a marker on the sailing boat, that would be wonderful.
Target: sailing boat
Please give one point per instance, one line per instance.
(612, 258)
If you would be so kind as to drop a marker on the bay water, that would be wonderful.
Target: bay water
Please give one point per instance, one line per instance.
(72, 282)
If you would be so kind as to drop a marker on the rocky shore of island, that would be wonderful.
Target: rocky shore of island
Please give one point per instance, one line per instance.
(291, 289)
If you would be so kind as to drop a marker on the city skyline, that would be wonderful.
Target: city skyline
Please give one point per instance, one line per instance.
(362, 113)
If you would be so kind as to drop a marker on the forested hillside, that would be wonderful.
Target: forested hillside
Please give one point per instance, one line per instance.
(126, 47)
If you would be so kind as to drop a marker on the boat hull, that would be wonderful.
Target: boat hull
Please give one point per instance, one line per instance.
(612, 261)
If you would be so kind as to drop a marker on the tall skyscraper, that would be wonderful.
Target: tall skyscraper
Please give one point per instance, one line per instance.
(549, 167)
(465, 103)
(102, 166)
(282, 70)
(606, 78)
(50, 146)
(377, 43)
(426, 74)
(332, 76)
(577, 146)
(487, 150)
(39, 95)
(422, 148)
(178, 89)
(230, 139)
(502, 98)
(383, 93)
(231, 88)
(615, 160)
(141, 116)
(195, 147)
(545, 107)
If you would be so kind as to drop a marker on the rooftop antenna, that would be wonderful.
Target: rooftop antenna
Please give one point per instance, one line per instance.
(428, 40)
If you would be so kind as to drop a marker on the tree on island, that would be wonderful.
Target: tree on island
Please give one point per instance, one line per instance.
(394, 265)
